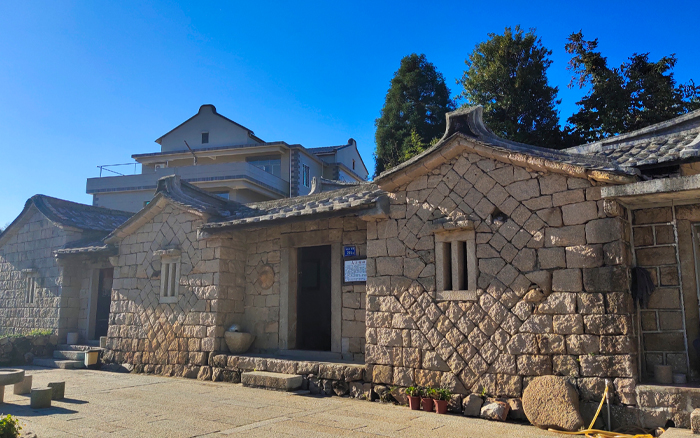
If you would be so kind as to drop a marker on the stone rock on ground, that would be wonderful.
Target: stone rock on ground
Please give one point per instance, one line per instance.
(695, 421)
(471, 405)
(552, 402)
(516, 411)
(495, 410)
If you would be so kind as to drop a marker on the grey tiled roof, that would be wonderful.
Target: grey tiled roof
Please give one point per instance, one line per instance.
(326, 149)
(192, 197)
(468, 123)
(353, 196)
(89, 245)
(670, 141)
(81, 216)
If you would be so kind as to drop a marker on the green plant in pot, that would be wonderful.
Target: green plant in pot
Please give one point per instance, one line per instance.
(414, 394)
(442, 396)
(427, 398)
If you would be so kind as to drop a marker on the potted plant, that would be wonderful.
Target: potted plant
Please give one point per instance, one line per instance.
(413, 394)
(427, 398)
(442, 396)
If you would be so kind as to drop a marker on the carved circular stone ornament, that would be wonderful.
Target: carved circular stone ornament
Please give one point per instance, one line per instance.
(266, 277)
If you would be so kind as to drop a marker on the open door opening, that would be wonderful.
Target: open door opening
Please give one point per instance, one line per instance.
(314, 299)
(104, 298)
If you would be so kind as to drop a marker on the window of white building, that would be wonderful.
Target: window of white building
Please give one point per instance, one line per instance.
(270, 164)
(305, 175)
(205, 137)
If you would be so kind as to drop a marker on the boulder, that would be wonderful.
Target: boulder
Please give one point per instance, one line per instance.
(552, 402)
(495, 410)
(471, 405)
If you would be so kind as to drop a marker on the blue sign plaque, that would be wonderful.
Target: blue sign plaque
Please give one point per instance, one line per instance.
(350, 251)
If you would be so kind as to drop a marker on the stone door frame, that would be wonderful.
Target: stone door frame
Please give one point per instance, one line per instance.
(288, 285)
(93, 287)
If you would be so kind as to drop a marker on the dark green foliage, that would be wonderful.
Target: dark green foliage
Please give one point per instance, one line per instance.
(413, 113)
(507, 74)
(637, 94)
(9, 427)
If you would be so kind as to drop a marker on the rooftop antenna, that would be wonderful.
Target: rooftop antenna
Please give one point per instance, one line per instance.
(191, 151)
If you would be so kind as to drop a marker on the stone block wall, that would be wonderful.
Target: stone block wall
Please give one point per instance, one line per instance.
(141, 329)
(31, 248)
(263, 265)
(662, 322)
(533, 230)
(21, 350)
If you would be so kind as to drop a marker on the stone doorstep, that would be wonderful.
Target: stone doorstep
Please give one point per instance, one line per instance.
(347, 371)
(274, 381)
(57, 363)
(69, 355)
(684, 398)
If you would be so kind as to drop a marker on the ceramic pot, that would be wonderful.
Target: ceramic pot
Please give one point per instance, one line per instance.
(414, 402)
(427, 404)
(441, 406)
(238, 342)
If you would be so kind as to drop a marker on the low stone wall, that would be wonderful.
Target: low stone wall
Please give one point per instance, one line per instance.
(20, 350)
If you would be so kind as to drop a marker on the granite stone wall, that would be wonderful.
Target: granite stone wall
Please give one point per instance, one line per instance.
(143, 330)
(262, 282)
(533, 230)
(29, 253)
(662, 322)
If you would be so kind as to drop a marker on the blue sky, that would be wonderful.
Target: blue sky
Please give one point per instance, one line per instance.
(89, 83)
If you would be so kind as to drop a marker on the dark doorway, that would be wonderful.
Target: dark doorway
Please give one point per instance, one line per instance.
(104, 297)
(314, 299)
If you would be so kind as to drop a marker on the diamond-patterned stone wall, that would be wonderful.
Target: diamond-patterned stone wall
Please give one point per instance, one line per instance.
(144, 331)
(553, 283)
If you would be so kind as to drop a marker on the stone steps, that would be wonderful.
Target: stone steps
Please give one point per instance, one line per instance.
(58, 363)
(269, 380)
(69, 354)
(85, 347)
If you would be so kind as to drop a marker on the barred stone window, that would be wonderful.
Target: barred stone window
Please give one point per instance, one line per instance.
(169, 279)
(456, 265)
(31, 290)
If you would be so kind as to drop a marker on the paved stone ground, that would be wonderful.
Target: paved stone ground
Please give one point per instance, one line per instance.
(102, 404)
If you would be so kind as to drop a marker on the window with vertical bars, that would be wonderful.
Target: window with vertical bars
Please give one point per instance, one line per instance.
(169, 279)
(455, 258)
(31, 290)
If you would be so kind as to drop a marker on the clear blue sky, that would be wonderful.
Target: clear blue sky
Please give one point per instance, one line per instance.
(88, 83)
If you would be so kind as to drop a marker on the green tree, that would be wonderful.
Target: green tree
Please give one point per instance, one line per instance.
(637, 94)
(414, 110)
(507, 74)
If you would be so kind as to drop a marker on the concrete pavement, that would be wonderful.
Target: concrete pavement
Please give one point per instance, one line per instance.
(102, 404)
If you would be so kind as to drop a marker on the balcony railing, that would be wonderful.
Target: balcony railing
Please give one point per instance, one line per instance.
(192, 174)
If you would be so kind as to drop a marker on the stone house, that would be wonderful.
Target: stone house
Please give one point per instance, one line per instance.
(43, 283)
(477, 265)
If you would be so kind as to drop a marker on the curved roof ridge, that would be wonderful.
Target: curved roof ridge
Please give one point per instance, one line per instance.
(468, 123)
(630, 136)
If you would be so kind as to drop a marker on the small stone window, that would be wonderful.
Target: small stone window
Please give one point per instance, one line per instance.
(456, 265)
(205, 137)
(169, 279)
(30, 295)
(305, 175)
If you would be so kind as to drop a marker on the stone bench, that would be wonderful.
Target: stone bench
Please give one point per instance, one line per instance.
(9, 376)
(58, 390)
(24, 387)
(41, 398)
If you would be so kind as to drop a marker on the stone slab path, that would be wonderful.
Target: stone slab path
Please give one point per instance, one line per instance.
(102, 404)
